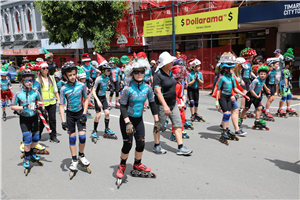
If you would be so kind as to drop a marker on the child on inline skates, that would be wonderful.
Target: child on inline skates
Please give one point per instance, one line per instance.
(24, 101)
(273, 63)
(99, 93)
(286, 86)
(255, 98)
(5, 87)
(194, 80)
(131, 120)
(224, 92)
(72, 93)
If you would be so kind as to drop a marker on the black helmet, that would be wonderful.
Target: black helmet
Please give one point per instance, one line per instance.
(25, 73)
(288, 59)
(68, 66)
(105, 66)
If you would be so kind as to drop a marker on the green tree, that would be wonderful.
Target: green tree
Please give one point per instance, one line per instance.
(67, 21)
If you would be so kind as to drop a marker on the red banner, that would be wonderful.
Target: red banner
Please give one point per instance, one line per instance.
(22, 52)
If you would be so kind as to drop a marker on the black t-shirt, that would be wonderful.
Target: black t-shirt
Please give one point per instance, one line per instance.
(153, 70)
(52, 67)
(168, 87)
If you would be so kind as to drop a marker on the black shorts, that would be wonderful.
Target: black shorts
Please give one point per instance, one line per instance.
(253, 100)
(225, 102)
(272, 90)
(29, 124)
(193, 94)
(88, 83)
(138, 124)
(115, 86)
(72, 119)
(247, 84)
(103, 100)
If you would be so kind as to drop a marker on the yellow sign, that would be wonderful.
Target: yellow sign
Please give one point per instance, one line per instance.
(241, 40)
(219, 20)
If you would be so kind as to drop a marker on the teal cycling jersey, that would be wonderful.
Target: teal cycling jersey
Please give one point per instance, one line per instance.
(226, 84)
(36, 86)
(87, 70)
(101, 85)
(285, 74)
(23, 98)
(192, 77)
(74, 94)
(94, 74)
(247, 71)
(115, 74)
(60, 84)
(271, 77)
(257, 85)
(134, 96)
(147, 75)
(5, 84)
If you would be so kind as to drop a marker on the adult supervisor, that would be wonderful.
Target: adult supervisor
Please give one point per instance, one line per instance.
(165, 98)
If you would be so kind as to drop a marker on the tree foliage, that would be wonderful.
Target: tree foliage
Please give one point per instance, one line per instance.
(67, 21)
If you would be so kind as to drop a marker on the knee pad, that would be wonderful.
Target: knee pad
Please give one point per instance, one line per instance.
(226, 117)
(111, 93)
(191, 104)
(35, 137)
(196, 104)
(140, 145)
(289, 97)
(82, 139)
(126, 146)
(72, 140)
(27, 138)
(283, 98)
(117, 93)
(3, 104)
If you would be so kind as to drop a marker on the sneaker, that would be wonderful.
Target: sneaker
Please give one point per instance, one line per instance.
(159, 150)
(54, 140)
(240, 132)
(184, 151)
(185, 135)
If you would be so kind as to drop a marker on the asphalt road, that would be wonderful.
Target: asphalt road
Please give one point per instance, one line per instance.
(262, 165)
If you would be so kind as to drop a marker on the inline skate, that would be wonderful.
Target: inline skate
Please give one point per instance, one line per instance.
(224, 137)
(38, 149)
(240, 122)
(84, 163)
(291, 112)
(117, 106)
(267, 116)
(94, 136)
(281, 113)
(199, 118)
(185, 135)
(188, 125)
(250, 114)
(193, 119)
(172, 138)
(240, 112)
(26, 165)
(120, 174)
(73, 168)
(91, 106)
(109, 134)
(140, 170)
(260, 124)
(4, 116)
(89, 115)
(232, 135)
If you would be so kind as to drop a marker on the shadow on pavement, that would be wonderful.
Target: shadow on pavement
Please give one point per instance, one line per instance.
(127, 172)
(149, 146)
(284, 165)
(209, 135)
(215, 128)
(10, 117)
(65, 164)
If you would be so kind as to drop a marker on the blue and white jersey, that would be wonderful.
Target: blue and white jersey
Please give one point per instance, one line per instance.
(5, 84)
(247, 71)
(134, 96)
(102, 83)
(73, 93)
(192, 75)
(226, 84)
(115, 72)
(257, 85)
(60, 84)
(271, 77)
(87, 70)
(23, 98)
(147, 75)
(36, 86)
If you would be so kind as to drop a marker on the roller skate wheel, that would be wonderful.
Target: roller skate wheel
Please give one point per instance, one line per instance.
(94, 140)
(252, 115)
(253, 127)
(40, 163)
(267, 128)
(119, 182)
(22, 156)
(26, 172)
(236, 138)
(88, 169)
(152, 175)
(192, 128)
(291, 114)
(286, 116)
(203, 120)
(276, 114)
(245, 117)
(260, 128)
(297, 114)
(273, 120)
(47, 152)
(72, 175)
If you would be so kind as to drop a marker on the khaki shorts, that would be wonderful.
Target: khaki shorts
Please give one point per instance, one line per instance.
(174, 117)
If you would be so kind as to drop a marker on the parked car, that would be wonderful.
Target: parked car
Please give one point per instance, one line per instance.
(12, 74)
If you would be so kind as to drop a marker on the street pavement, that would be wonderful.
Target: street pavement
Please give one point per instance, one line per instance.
(262, 165)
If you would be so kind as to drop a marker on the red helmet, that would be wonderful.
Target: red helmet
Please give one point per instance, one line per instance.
(35, 67)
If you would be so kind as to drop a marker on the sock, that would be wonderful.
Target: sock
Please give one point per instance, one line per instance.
(74, 158)
(27, 154)
(106, 121)
(31, 151)
(123, 162)
(155, 145)
(267, 110)
(179, 146)
(136, 162)
(81, 154)
(288, 107)
(95, 125)
(280, 107)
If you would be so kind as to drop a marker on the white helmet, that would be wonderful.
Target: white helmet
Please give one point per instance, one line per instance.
(95, 63)
(272, 60)
(227, 57)
(81, 75)
(136, 63)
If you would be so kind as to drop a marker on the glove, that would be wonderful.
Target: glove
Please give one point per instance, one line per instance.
(25, 107)
(64, 125)
(130, 130)
(216, 103)
(156, 127)
(286, 89)
(196, 76)
(83, 118)
(258, 100)
(43, 111)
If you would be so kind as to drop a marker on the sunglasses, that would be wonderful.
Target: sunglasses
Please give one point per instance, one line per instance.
(28, 80)
(140, 71)
(44, 68)
(108, 70)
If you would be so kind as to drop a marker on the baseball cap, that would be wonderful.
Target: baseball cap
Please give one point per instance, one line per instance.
(277, 51)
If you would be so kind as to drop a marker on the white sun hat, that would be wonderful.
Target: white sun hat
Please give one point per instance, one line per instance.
(165, 58)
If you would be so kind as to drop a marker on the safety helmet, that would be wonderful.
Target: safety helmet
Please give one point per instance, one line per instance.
(178, 62)
(57, 75)
(95, 63)
(272, 60)
(227, 65)
(263, 68)
(193, 63)
(25, 73)
(288, 59)
(139, 61)
(248, 52)
(105, 66)
(67, 67)
(227, 57)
